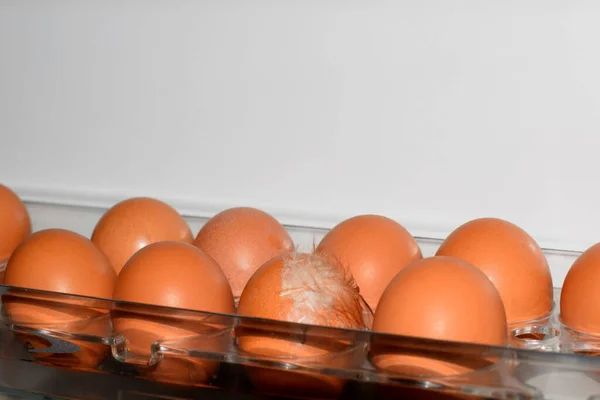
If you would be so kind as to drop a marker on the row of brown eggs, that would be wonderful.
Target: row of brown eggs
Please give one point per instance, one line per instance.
(370, 257)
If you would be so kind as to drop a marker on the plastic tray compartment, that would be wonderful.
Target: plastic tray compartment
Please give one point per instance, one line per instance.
(86, 359)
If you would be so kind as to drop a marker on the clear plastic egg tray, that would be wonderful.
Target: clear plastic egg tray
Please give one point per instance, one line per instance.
(88, 360)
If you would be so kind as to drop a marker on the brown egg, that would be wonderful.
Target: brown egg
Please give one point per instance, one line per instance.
(304, 288)
(441, 298)
(135, 223)
(173, 274)
(511, 259)
(375, 248)
(242, 239)
(61, 261)
(580, 297)
(15, 224)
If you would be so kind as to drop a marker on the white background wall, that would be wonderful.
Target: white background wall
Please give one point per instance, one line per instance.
(432, 112)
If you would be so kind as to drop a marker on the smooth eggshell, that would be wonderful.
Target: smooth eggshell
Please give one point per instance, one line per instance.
(135, 223)
(580, 294)
(15, 224)
(511, 259)
(441, 298)
(61, 261)
(242, 239)
(173, 274)
(306, 288)
(375, 248)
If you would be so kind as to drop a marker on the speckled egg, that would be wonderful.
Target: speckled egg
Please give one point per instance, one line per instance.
(242, 239)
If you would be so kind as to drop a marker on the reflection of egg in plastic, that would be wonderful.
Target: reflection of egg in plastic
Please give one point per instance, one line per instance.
(441, 298)
(137, 222)
(511, 259)
(173, 274)
(242, 239)
(15, 224)
(60, 261)
(580, 294)
(374, 248)
(306, 288)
